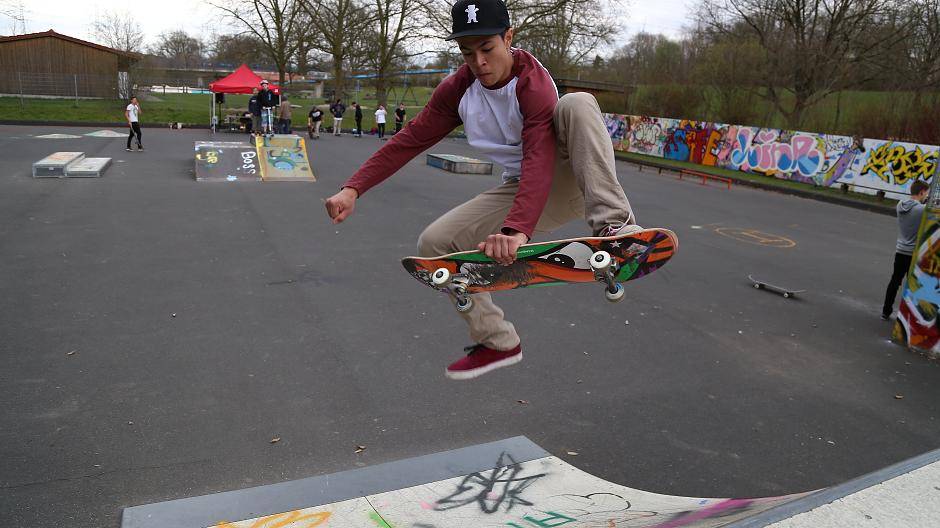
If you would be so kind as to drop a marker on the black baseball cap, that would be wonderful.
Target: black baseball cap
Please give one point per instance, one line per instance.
(478, 17)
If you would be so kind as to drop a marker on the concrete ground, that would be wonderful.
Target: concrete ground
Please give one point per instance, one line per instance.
(159, 333)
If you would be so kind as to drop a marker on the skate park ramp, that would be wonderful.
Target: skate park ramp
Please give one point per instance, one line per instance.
(511, 482)
(280, 158)
(219, 161)
(284, 158)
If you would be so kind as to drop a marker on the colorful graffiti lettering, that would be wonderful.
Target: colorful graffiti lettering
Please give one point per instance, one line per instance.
(898, 164)
(771, 152)
(868, 165)
(917, 321)
(646, 136)
(292, 519)
(847, 150)
(553, 519)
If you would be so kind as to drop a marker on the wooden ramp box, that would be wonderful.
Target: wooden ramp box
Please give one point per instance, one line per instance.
(87, 168)
(460, 164)
(55, 165)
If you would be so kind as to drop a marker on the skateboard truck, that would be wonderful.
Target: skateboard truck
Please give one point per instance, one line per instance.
(455, 286)
(605, 269)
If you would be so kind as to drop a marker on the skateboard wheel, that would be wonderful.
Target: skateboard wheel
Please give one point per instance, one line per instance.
(786, 295)
(440, 277)
(464, 305)
(617, 295)
(757, 285)
(600, 260)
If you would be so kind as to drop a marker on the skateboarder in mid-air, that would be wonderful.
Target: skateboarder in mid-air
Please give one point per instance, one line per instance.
(557, 153)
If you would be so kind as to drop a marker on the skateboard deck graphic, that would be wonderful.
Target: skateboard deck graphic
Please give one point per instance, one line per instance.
(759, 284)
(549, 263)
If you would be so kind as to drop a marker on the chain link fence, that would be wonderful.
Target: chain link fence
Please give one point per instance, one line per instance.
(59, 85)
(83, 86)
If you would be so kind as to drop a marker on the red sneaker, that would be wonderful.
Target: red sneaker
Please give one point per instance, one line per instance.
(480, 360)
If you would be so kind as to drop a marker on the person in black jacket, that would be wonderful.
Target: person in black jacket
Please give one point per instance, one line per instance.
(338, 109)
(358, 119)
(254, 108)
(399, 117)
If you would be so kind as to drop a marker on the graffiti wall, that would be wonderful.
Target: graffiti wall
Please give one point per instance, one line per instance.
(917, 322)
(867, 165)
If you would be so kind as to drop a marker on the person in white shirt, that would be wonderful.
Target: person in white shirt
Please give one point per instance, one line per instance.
(132, 114)
(380, 120)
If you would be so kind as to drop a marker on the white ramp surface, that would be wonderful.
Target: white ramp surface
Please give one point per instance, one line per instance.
(514, 483)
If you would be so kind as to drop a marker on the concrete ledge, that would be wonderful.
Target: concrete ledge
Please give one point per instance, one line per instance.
(199, 512)
(838, 200)
(828, 495)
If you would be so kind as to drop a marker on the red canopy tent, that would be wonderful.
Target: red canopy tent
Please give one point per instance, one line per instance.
(241, 81)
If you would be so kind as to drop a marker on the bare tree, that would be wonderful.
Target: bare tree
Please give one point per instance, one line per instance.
(339, 25)
(119, 30)
(560, 32)
(811, 48)
(180, 49)
(918, 63)
(274, 23)
(236, 49)
(565, 38)
(396, 23)
(16, 12)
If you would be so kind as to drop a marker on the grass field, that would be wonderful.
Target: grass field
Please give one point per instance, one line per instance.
(190, 109)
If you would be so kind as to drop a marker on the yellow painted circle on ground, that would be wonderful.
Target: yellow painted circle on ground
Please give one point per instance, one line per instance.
(753, 236)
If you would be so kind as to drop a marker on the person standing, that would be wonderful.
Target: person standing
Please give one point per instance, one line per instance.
(314, 118)
(254, 108)
(358, 117)
(380, 120)
(267, 100)
(338, 109)
(283, 115)
(132, 114)
(399, 117)
(910, 212)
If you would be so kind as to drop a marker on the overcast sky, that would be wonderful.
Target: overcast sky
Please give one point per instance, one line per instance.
(74, 17)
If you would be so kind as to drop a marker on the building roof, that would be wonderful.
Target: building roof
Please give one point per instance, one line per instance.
(74, 40)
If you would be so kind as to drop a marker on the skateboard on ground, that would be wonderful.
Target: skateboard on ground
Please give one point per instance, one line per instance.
(608, 260)
(759, 284)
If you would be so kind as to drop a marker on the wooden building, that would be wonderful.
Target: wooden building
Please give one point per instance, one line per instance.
(52, 64)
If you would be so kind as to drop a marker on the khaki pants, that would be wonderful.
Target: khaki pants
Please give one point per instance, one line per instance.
(585, 186)
(337, 126)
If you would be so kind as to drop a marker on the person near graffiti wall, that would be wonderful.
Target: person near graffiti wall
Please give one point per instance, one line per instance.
(910, 212)
(558, 159)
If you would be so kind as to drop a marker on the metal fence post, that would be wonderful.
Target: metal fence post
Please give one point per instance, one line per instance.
(75, 78)
(19, 79)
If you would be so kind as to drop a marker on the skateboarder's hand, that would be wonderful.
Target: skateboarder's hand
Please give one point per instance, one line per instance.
(502, 248)
(341, 205)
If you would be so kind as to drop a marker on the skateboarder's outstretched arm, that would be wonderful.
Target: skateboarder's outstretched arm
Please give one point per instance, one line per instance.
(431, 125)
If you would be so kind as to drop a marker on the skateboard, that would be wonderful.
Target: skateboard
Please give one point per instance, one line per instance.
(608, 260)
(787, 293)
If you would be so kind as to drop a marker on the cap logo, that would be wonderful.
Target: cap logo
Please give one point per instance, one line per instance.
(471, 13)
